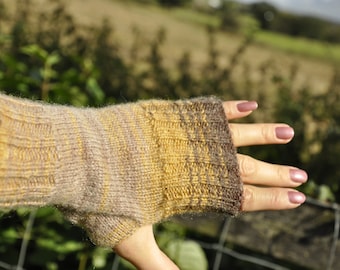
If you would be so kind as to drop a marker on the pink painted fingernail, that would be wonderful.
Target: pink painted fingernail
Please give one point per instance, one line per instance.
(284, 133)
(296, 197)
(298, 176)
(247, 106)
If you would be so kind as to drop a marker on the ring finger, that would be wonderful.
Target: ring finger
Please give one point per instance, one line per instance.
(257, 172)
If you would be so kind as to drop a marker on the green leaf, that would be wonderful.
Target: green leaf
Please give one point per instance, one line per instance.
(187, 254)
(94, 90)
(127, 264)
(35, 50)
(10, 235)
(52, 59)
(45, 212)
(326, 194)
(61, 248)
(99, 257)
(52, 266)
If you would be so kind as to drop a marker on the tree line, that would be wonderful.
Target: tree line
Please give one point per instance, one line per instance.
(268, 17)
(47, 55)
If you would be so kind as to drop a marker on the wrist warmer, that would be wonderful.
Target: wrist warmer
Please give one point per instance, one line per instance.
(114, 169)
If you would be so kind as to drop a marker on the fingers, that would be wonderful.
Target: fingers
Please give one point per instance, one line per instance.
(254, 134)
(239, 109)
(257, 172)
(260, 134)
(259, 198)
(268, 186)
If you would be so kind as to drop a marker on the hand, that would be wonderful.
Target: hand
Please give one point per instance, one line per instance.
(266, 186)
(275, 181)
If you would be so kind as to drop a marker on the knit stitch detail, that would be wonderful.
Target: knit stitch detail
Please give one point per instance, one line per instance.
(114, 169)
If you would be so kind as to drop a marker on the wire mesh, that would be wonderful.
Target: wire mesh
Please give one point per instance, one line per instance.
(218, 247)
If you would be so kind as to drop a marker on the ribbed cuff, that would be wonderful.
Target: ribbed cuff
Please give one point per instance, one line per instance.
(199, 163)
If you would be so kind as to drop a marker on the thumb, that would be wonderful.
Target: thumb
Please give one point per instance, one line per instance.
(139, 248)
(142, 251)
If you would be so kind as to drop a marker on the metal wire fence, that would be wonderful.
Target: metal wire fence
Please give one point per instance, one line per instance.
(221, 250)
(219, 247)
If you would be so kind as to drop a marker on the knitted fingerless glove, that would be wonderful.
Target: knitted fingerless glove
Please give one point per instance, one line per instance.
(114, 169)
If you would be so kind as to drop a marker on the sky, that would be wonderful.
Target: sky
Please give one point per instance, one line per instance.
(329, 9)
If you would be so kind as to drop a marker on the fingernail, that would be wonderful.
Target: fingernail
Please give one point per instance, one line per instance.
(247, 106)
(284, 133)
(296, 197)
(298, 176)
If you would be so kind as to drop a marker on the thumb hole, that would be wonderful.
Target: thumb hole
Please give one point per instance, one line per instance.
(103, 230)
(129, 240)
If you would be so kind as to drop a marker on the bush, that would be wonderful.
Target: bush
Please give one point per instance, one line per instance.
(229, 14)
(46, 55)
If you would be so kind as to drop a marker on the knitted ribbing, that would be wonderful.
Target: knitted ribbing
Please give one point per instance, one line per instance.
(114, 169)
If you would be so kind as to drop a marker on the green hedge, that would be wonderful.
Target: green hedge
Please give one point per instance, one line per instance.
(48, 56)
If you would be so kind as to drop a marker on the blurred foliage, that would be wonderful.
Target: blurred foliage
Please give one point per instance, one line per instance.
(264, 13)
(165, 3)
(47, 55)
(229, 14)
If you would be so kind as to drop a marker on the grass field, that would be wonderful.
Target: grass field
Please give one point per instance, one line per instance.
(329, 53)
(186, 31)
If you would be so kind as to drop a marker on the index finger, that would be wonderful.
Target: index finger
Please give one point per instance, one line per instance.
(239, 109)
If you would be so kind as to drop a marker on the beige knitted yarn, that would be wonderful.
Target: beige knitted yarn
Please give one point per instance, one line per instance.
(114, 169)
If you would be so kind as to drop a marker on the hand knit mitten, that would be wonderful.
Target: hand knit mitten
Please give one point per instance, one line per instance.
(117, 168)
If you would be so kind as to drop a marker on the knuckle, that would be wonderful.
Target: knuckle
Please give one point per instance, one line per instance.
(281, 174)
(275, 198)
(248, 199)
(247, 166)
(267, 134)
(235, 133)
(254, 199)
(229, 109)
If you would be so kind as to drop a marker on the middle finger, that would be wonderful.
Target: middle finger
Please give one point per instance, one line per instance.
(260, 134)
